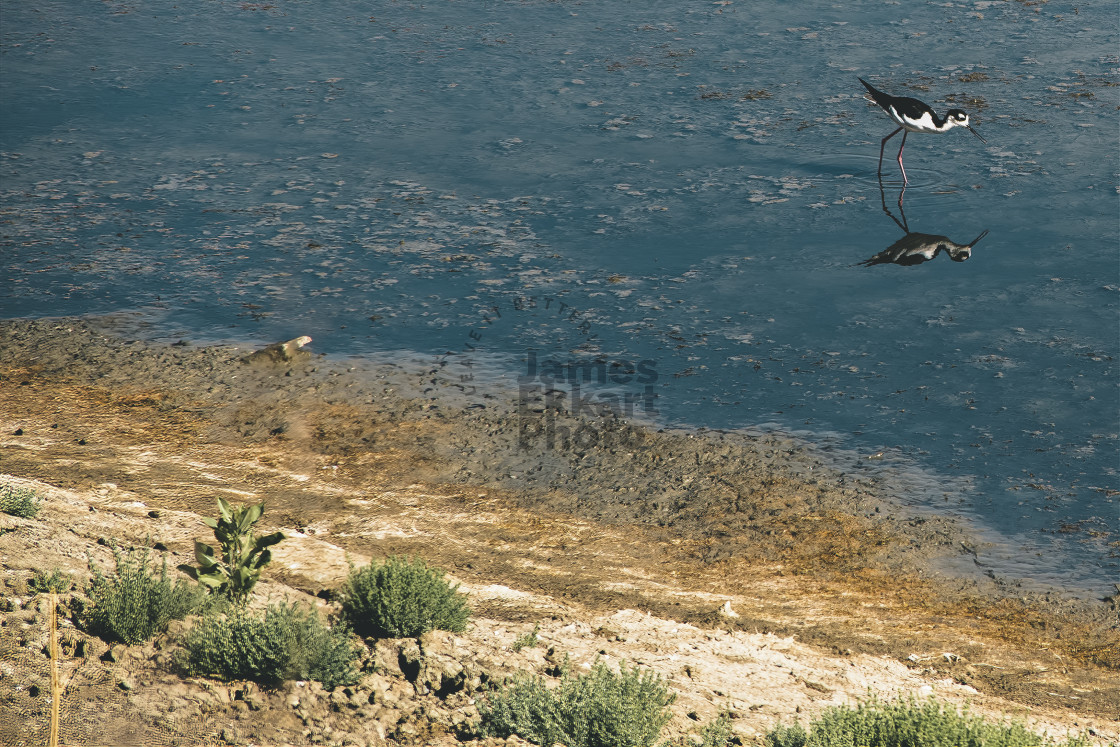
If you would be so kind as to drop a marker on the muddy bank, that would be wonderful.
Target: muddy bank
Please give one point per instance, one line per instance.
(371, 459)
(758, 497)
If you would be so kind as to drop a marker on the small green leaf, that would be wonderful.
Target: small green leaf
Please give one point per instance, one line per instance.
(269, 539)
(252, 513)
(203, 553)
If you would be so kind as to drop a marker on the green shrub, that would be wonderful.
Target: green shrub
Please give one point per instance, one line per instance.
(787, 736)
(525, 707)
(286, 642)
(402, 598)
(21, 502)
(598, 709)
(607, 710)
(133, 605)
(717, 733)
(244, 554)
(908, 723)
(56, 581)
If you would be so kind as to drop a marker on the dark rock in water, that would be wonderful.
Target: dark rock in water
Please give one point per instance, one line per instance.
(281, 352)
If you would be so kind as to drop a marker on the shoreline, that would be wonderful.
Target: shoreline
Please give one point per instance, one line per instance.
(530, 438)
(376, 459)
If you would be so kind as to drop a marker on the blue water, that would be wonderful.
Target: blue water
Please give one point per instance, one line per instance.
(687, 183)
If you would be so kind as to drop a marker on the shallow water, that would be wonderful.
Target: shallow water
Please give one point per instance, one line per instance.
(685, 184)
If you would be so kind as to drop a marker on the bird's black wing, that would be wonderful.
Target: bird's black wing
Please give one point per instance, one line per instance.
(880, 98)
(904, 105)
(910, 108)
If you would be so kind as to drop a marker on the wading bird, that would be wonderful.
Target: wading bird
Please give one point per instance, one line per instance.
(912, 115)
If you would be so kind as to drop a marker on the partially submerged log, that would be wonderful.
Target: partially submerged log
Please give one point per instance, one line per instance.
(281, 352)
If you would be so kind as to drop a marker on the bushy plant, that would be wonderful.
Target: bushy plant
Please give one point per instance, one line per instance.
(604, 709)
(787, 736)
(285, 642)
(717, 733)
(400, 598)
(45, 583)
(598, 709)
(525, 707)
(908, 723)
(244, 554)
(19, 501)
(132, 605)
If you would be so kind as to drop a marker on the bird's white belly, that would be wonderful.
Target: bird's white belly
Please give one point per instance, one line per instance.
(924, 124)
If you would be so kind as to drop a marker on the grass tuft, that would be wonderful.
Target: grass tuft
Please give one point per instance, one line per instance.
(18, 501)
(528, 640)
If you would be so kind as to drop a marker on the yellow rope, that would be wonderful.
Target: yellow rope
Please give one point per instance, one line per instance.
(56, 689)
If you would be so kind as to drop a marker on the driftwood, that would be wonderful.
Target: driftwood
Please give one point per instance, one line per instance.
(281, 352)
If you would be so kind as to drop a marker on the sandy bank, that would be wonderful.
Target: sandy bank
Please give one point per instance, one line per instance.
(627, 545)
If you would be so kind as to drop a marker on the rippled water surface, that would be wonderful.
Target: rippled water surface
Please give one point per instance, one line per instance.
(690, 184)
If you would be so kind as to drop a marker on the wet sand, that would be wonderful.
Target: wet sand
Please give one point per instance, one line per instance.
(383, 458)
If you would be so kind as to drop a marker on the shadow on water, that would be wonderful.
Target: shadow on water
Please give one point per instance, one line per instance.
(915, 248)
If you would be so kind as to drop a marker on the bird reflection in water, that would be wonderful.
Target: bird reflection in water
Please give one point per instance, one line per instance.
(916, 248)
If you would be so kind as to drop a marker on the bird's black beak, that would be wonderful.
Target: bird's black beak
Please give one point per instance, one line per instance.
(977, 239)
(977, 134)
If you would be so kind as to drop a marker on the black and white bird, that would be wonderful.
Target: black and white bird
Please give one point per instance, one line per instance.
(916, 248)
(912, 115)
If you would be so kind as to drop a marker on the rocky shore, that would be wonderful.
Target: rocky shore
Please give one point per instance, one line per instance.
(748, 570)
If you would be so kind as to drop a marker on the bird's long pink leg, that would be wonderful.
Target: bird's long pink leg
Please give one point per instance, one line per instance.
(884, 145)
(905, 181)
